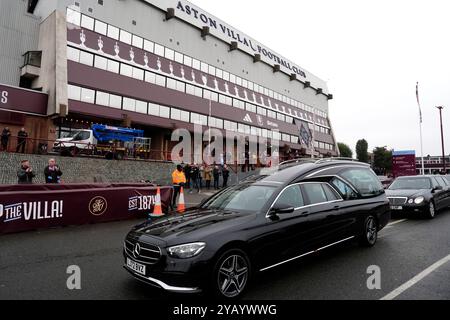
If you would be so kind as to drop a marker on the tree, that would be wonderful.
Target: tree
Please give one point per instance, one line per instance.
(361, 151)
(345, 150)
(382, 160)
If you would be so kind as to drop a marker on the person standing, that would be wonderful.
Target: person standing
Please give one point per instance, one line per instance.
(52, 173)
(25, 173)
(201, 175)
(6, 133)
(178, 181)
(195, 178)
(187, 174)
(225, 176)
(208, 176)
(21, 141)
(216, 176)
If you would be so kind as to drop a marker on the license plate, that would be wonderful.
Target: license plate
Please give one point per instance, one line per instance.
(396, 208)
(137, 267)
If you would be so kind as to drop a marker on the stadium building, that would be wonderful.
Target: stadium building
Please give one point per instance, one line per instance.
(154, 65)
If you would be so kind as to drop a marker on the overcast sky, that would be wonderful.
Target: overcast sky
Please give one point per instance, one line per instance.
(371, 53)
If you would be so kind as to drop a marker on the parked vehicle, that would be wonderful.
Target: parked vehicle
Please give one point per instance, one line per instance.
(110, 142)
(260, 224)
(419, 194)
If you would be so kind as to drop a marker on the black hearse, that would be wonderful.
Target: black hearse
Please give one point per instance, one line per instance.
(281, 215)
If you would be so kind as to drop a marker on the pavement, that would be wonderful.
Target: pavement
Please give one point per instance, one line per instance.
(412, 255)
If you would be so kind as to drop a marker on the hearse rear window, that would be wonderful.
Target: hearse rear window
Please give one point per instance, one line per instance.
(364, 181)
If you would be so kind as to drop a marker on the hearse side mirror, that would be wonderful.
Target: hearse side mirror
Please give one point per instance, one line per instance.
(437, 188)
(281, 208)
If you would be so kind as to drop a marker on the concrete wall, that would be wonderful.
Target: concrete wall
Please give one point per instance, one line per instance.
(19, 33)
(53, 78)
(78, 170)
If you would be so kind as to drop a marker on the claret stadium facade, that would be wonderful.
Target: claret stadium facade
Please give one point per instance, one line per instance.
(154, 65)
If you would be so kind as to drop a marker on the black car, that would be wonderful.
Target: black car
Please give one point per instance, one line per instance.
(264, 222)
(419, 194)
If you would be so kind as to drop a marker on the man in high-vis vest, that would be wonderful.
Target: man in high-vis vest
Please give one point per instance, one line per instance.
(178, 181)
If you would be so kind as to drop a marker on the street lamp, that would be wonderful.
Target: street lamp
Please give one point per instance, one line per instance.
(442, 138)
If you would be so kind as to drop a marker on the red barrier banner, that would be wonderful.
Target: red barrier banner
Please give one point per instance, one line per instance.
(30, 210)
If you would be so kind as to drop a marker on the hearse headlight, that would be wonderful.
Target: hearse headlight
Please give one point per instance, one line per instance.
(186, 251)
(419, 200)
(411, 201)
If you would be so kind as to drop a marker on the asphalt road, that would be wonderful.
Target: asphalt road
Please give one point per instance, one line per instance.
(33, 265)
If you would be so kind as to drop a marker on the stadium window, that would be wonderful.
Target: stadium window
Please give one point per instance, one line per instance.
(87, 22)
(153, 109)
(164, 112)
(178, 57)
(195, 64)
(171, 84)
(126, 70)
(74, 93)
(141, 106)
(113, 66)
(175, 114)
(125, 37)
(160, 80)
(159, 50)
(102, 99)
(138, 42)
(169, 54)
(115, 101)
(190, 89)
(113, 32)
(73, 17)
(185, 116)
(86, 58)
(149, 46)
(101, 62)
(73, 54)
(87, 95)
(150, 77)
(181, 86)
(101, 27)
(188, 61)
(129, 104)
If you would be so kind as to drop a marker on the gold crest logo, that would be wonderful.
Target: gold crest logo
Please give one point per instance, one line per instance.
(98, 206)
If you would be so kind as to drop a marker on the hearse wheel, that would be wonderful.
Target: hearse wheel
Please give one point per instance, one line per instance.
(431, 212)
(370, 233)
(231, 274)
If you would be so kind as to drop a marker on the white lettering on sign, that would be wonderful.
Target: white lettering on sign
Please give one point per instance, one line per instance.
(199, 18)
(4, 99)
(141, 203)
(39, 210)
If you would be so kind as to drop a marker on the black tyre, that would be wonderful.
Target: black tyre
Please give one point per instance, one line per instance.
(119, 156)
(369, 234)
(231, 275)
(74, 151)
(431, 211)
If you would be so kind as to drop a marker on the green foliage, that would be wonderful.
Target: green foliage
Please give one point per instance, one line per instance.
(382, 160)
(362, 151)
(345, 150)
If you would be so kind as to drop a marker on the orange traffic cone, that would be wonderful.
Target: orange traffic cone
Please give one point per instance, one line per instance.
(157, 210)
(181, 205)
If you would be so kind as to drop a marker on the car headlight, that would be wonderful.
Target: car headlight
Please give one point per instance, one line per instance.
(419, 200)
(186, 251)
(411, 201)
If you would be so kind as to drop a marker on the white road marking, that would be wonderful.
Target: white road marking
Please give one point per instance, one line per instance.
(416, 279)
(395, 222)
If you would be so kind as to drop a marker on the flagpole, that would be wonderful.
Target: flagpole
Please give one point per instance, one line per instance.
(421, 148)
(420, 125)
